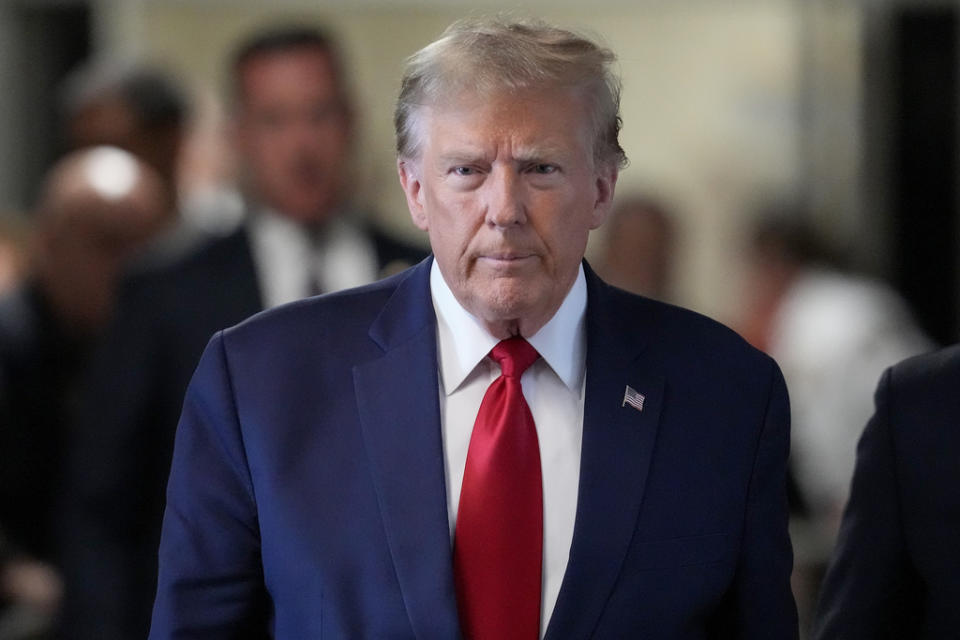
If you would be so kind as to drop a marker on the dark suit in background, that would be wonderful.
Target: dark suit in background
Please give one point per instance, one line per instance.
(83, 236)
(40, 363)
(123, 434)
(896, 570)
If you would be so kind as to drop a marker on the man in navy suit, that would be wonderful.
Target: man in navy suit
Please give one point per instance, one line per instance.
(896, 569)
(332, 453)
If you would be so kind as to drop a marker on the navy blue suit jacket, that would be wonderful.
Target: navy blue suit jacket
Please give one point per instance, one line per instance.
(307, 497)
(896, 569)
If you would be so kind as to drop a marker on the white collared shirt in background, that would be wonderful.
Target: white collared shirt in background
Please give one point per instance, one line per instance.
(291, 264)
(553, 387)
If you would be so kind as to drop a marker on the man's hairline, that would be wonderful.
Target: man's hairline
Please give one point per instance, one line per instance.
(599, 161)
(237, 97)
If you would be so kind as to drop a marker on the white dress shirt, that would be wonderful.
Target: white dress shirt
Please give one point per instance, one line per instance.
(553, 388)
(292, 264)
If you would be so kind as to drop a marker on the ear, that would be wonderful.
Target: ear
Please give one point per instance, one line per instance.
(409, 173)
(606, 183)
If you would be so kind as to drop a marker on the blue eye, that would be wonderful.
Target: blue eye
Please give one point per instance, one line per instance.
(464, 171)
(544, 168)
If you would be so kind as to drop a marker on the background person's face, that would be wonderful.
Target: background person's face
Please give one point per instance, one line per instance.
(293, 132)
(111, 121)
(507, 188)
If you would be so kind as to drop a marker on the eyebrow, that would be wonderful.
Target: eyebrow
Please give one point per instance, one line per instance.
(521, 156)
(461, 157)
(526, 156)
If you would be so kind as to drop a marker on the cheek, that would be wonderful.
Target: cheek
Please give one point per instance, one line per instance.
(272, 143)
(563, 227)
(446, 215)
(452, 238)
(257, 154)
(332, 141)
(565, 248)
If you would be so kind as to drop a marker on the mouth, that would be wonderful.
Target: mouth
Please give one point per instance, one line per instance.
(306, 170)
(507, 260)
(507, 257)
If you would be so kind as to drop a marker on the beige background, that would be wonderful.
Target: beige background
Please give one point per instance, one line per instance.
(724, 103)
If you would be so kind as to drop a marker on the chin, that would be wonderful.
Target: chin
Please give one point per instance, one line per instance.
(508, 305)
(311, 212)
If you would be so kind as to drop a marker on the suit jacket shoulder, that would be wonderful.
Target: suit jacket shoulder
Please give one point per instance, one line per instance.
(698, 476)
(893, 574)
(677, 337)
(393, 254)
(931, 376)
(350, 311)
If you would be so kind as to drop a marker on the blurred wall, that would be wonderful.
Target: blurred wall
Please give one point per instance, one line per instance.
(724, 104)
(39, 42)
(11, 111)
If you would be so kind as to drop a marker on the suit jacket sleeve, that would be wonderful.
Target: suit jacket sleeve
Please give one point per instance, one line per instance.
(867, 592)
(763, 602)
(211, 581)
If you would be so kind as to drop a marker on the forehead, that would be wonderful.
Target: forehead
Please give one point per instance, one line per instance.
(547, 119)
(305, 68)
(109, 120)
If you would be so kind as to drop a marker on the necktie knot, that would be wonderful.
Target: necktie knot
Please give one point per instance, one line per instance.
(514, 355)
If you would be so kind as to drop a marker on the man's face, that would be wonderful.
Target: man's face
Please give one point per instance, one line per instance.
(111, 121)
(508, 190)
(293, 132)
(86, 234)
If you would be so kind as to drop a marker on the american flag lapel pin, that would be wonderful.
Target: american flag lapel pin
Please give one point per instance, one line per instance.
(633, 398)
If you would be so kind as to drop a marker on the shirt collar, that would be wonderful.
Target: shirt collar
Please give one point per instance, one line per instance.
(293, 260)
(282, 229)
(463, 341)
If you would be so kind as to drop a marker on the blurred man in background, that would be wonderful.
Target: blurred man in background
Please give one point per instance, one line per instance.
(98, 208)
(639, 247)
(292, 128)
(145, 110)
(138, 108)
(832, 333)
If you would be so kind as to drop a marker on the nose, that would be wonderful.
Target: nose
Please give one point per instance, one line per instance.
(505, 206)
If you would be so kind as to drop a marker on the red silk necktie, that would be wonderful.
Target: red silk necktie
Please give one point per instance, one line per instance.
(498, 544)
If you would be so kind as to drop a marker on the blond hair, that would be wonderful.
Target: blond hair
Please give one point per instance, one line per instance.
(488, 55)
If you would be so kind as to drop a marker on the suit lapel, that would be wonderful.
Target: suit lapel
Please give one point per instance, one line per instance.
(617, 449)
(397, 400)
